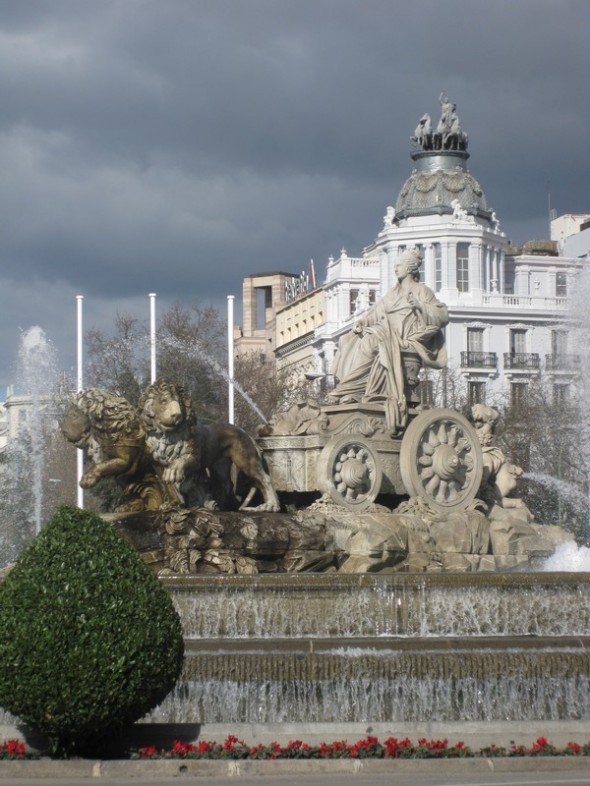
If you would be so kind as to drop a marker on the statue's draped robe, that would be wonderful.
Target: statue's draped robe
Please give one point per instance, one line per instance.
(368, 364)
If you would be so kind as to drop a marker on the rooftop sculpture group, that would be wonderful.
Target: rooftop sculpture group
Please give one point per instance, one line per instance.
(448, 134)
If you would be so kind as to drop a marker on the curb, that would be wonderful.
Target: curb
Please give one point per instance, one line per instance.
(88, 768)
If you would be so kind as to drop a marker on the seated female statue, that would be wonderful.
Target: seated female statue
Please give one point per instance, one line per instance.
(407, 320)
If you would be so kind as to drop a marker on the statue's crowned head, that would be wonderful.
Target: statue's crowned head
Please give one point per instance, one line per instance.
(412, 260)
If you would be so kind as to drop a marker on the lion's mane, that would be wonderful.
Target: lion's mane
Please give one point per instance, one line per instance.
(166, 445)
(111, 417)
(146, 404)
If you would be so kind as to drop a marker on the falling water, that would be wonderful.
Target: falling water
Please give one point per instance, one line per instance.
(406, 648)
(37, 376)
(580, 315)
(195, 350)
(341, 607)
(569, 557)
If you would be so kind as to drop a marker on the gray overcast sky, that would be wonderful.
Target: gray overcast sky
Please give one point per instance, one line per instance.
(175, 146)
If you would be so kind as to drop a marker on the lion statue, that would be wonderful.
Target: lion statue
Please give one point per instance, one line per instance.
(196, 459)
(108, 428)
(169, 422)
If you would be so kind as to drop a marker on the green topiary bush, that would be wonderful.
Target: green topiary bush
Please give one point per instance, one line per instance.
(89, 640)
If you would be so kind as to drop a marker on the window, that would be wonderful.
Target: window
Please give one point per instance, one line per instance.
(560, 395)
(517, 341)
(518, 392)
(561, 285)
(426, 392)
(476, 392)
(354, 297)
(263, 304)
(437, 267)
(463, 267)
(475, 339)
(558, 342)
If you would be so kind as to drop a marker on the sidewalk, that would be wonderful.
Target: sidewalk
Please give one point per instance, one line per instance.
(123, 771)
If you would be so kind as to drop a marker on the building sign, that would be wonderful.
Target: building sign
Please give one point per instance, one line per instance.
(296, 287)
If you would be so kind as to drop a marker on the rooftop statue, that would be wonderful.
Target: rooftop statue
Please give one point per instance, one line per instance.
(423, 133)
(408, 320)
(448, 134)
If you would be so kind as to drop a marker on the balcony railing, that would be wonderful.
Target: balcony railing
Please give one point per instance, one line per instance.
(562, 362)
(525, 301)
(523, 360)
(479, 360)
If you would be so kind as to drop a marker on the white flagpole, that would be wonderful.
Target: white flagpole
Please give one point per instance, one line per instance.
(79, 384)
(152, 297)
(230, 357)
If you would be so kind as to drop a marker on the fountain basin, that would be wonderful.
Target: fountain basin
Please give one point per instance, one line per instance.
(410, 648)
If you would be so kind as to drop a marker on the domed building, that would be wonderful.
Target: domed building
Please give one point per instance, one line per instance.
(506, 305)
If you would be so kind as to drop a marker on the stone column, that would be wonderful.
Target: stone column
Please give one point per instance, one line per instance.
(329, 350)
(388, 281)
(495, 272)
(475, 267)
(429, 271)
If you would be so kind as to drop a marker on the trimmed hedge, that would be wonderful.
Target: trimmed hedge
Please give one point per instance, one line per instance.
(89, 640)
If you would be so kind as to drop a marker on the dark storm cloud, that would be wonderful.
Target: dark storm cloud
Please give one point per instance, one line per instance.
(176, 146)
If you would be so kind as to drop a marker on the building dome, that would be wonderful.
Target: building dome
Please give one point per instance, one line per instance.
(439, 184)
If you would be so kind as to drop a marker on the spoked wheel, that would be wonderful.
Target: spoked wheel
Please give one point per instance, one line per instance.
(348, 470)
(441, 459)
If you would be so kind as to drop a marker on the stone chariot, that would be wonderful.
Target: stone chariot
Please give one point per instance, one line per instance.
(347, 453)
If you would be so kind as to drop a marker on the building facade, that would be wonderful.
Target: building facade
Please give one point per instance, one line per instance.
(508, 306)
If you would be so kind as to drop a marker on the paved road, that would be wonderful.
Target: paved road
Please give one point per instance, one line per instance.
(579, 778)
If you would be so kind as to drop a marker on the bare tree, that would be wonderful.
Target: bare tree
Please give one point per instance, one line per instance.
(264, 390)
(192, 352)
(119, 362)
(544, 436)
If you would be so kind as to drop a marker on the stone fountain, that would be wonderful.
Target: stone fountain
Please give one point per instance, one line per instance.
(306, 595)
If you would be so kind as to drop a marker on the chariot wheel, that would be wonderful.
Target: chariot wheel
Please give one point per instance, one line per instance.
(441, 460)
(348, 470)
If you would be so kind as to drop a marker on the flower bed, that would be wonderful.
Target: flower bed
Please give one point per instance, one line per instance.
(367, 748)
(370, 747)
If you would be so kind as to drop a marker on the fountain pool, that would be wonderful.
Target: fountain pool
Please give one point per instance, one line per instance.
(406, 648)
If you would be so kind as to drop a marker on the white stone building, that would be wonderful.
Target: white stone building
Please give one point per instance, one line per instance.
(507, 305)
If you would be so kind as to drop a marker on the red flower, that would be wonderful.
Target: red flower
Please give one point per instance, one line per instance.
(13, 749)
(148, 752)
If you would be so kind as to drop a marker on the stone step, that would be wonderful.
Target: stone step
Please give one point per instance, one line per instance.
(424, 659)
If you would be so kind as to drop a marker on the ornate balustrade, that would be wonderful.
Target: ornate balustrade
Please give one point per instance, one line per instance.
(562, 362)
(525, 301)
(522, 360)
(479, 360)
(364, 262)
